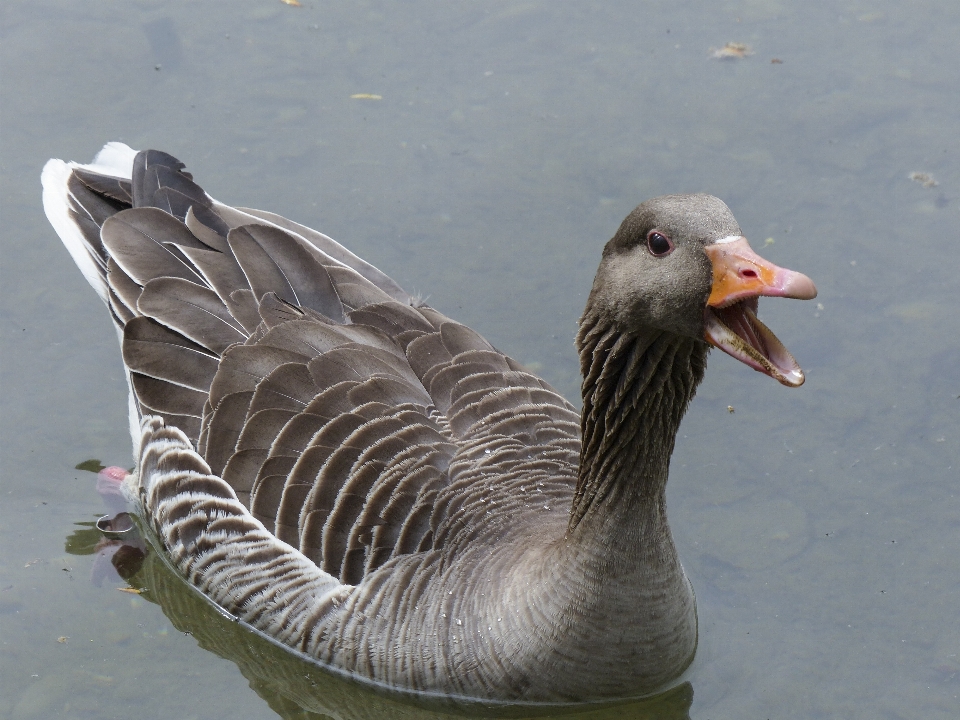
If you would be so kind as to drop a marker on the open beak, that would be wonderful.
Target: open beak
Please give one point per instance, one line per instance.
(740, 277)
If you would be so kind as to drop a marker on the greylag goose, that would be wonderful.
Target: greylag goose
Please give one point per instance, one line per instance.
(373, 485)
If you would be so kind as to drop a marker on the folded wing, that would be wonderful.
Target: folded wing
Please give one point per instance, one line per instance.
(355, 423)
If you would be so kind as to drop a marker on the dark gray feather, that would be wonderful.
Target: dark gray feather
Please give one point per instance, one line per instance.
(167, 397)
(140, 241)
(209, 232)
(223, 427)
(335, 250)
(392, 318)
(241, 471)
(275, 311)
(244, 366)
(126, 289)
(260, 429)
(87, 201)
(194, 311)
(244, 307)
(153, 349)
(274, 261)
(427, 352)
(459, 339)
(122, 314)
(298, 433)
(91, 236)
(288, 387)
(117, 189)
(305, 274)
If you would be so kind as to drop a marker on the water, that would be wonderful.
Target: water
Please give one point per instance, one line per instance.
(819, 526)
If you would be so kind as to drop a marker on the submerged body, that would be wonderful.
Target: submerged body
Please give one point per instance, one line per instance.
(373, 484)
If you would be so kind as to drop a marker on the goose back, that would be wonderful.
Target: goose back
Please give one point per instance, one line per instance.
(355, 423)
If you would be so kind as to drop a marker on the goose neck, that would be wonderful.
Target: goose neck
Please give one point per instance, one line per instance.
(636, 388)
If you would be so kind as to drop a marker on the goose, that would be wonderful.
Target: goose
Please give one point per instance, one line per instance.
(374, 486)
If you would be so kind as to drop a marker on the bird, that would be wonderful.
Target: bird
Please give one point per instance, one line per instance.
(375, 487)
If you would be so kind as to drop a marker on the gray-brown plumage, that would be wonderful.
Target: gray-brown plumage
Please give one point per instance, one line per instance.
(372, 483)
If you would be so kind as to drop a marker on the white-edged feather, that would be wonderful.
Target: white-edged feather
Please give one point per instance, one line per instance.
(56, 205)
(115, 159)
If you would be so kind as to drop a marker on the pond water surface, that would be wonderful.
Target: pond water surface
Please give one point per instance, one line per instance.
(494, 149)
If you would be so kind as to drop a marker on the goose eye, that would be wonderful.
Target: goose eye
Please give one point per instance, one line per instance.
(659, 244)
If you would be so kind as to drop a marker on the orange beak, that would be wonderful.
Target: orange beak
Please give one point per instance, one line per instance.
(740, 277)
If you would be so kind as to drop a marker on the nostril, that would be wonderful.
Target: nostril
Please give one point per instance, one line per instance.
(748, 273)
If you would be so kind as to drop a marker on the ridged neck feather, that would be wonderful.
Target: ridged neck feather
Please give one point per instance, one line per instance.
(636, 388)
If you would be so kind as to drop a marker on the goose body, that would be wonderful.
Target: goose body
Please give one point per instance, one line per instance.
(375, 486)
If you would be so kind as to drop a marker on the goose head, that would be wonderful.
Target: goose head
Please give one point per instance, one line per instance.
(680, 264)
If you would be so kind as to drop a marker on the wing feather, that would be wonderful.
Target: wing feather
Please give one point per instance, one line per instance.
(351, 420)
(194, 311)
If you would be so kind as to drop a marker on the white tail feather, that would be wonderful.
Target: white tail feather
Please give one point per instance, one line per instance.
(114, 159)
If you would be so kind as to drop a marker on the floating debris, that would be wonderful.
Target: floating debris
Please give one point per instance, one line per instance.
(925, 179)
(295, 3)
(63, 639)
(366, 96)
(133, 591)
(776, 61)
(115, 526)
(730, 409)
(93, 466)
(731, 51)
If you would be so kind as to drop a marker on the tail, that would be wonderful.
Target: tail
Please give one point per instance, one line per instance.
(180, 285)
(77, 212)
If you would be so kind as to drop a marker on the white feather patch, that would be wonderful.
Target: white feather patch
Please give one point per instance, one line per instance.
(114, 159)
(728, 239)
(57, 207)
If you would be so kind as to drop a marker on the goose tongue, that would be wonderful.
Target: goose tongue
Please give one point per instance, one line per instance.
(740, 277)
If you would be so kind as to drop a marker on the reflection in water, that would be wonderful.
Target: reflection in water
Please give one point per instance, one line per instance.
(293, 688)
(114, 554)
